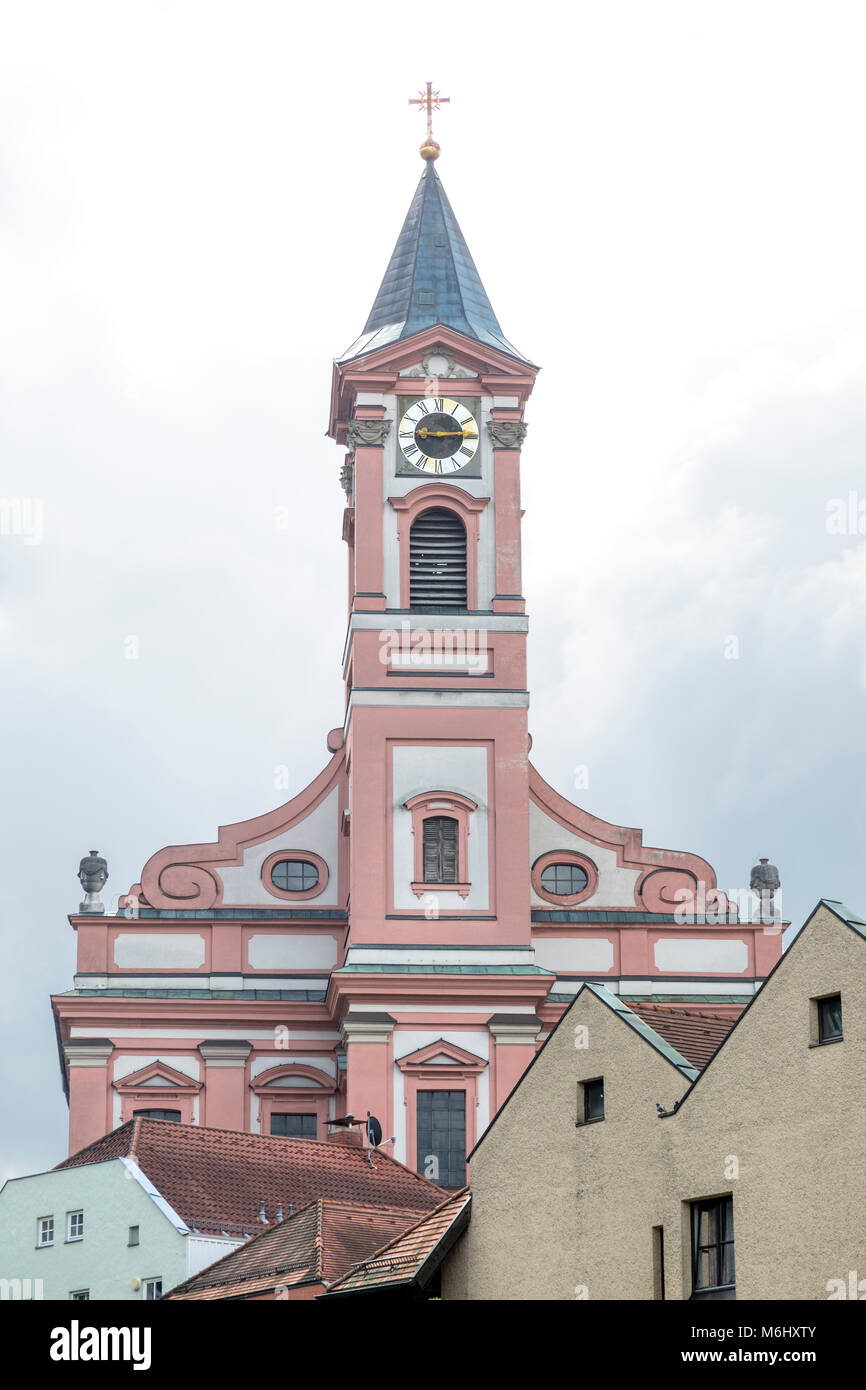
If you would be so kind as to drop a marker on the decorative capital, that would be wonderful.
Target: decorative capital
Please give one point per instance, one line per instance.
(506, 434)
(368, 432)
(347, 474)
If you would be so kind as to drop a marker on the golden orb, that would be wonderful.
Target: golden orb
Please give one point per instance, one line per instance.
(430, 150)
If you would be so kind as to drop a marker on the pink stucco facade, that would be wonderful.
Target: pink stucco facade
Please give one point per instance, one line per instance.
(230, 994)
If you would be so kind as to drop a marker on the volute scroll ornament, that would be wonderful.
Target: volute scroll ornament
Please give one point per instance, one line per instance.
(371, 433)
(506, 434)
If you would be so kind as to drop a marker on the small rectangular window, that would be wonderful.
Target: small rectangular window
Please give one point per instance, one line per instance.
(75, 1225)
(830, 1018)
(80, 1295)
(45, 1230)
(590, 1100)
(152, 1288)
(133, 1235)
(294, 1126)
(713, 1275)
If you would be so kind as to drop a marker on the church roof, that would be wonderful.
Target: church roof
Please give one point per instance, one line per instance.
(218, 1178)
(431, 279)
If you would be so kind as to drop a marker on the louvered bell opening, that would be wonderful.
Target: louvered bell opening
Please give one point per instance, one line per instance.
(437, 561)
(440, 850)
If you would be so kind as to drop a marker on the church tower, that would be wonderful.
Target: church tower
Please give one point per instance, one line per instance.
(400, 936)
(430, 403)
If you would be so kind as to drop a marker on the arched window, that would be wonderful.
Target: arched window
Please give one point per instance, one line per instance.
(440, 849)
(437, 561)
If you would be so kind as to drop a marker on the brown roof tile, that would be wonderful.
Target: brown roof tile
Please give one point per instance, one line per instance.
(217, 1178)
(402, 1259)
(696, 1033)
(315, 1245)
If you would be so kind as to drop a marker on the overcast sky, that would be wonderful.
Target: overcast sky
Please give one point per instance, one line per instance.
(197, 203)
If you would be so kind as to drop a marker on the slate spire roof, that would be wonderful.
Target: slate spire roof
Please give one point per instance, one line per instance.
(431, 278)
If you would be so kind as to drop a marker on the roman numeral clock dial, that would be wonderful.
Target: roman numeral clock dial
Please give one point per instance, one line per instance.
(438, 436)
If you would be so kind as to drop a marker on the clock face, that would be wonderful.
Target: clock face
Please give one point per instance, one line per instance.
(438, 435)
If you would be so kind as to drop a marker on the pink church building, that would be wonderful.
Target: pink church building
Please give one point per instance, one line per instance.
(401, 935)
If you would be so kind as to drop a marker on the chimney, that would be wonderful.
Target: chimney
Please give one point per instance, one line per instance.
(349, 1138)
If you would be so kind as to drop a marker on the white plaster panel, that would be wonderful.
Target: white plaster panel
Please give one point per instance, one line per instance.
(363, 955)
(574, 953)
(703, 956)
(408, 1040)
(202, 1252)
(282, 1059)
(159, 951)
(400, 1116)
(318, 833)
(282, 951)
(298, 1083)
(482, 1113)
(126, 1065)
(616, 884)
(440, 768)
(446, 1008)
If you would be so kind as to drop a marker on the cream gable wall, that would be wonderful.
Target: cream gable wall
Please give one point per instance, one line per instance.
(616, 885)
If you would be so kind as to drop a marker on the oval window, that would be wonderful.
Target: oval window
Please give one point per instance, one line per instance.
(564, 880)
(294, 875)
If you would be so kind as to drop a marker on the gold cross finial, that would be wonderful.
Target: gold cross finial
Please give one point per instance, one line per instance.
(431, 101)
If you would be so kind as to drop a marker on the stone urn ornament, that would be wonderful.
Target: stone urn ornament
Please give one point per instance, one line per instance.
(93, 875)
(764, 881)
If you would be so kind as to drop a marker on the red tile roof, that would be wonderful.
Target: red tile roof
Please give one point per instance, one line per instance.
(315, 1245)
(403, 1259)
(216, 1179)
(696, 1033)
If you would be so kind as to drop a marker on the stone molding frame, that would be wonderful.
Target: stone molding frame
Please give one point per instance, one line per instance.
(422, 1073)
(454, 499)
(424, 807)
(174, 1091)
(295, 856)
(311, 1097)
(564, 856)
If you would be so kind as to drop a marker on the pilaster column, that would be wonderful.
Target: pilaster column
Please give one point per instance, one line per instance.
(506, 435)
(514, 1037)
(225, 1092)
(370, 1067)
(89, 1090)
(366, 436)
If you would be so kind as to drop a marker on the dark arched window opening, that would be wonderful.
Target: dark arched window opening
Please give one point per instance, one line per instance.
(437, 561)
(440, 849)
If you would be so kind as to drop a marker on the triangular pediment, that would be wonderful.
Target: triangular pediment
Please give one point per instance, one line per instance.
(157, 1076)
(442, 1054)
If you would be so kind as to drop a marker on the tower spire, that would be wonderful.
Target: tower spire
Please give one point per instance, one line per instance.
(430, 101)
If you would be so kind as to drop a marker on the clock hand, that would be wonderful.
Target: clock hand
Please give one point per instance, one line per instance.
(424, 433)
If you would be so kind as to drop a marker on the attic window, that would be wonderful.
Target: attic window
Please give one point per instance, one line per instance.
(830, 1018)
(294, 875)
(425, 299)
(590, 1101)
(562, 880)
